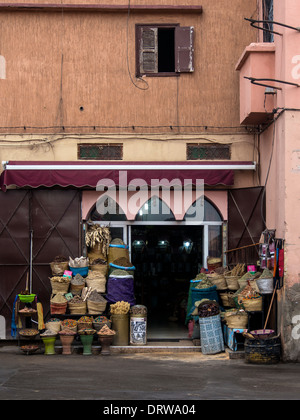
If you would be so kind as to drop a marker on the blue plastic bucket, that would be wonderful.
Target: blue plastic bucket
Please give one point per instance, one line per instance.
(83, 271)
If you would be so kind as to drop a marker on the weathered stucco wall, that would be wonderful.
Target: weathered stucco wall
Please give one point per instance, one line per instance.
(283, 187)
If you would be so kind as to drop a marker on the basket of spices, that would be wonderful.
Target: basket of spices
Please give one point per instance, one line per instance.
(58, 304)
(227, 299)
(217, 280)
(60, 284)
(99, 265)
(69, 324)
(97, 281)
(28, 333)
(59, 265)
(237, 319)
(77, 306)
(250, 299)
(85, 322)
(96, 303)
(77, 284)
(54, 324)
(29, 349)
(100, 321)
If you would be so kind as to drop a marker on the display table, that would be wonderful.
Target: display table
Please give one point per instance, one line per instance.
(230, 338)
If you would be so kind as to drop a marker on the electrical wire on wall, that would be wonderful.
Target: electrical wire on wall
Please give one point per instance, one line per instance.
(146, 87)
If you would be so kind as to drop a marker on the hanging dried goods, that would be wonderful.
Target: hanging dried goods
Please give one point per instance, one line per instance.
(98, 235)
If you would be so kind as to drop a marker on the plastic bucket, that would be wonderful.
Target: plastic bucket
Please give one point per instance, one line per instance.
(83, 271)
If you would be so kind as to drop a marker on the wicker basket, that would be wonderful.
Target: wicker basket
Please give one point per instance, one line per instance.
(242, 283)
(227, 299)
(59, 287)
(65, 327)
(53, 326)
(218, 280)
(95, 308)
(254, 304)
(99, 325)
(213, 263)
(77, 308)
(97, 282)
(96, 252)
(116, 251)
(99, 268)
(76, 289)
(58, 268)
(232, 282)
(84, 325)
(58, 308)
(237, 320)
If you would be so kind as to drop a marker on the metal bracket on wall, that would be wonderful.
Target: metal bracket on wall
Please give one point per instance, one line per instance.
(256, 81)
(253, 21)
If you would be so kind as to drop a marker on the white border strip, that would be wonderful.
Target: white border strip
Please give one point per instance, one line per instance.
(7, 166)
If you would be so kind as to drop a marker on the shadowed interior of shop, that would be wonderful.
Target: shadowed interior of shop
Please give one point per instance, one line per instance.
(166, 259)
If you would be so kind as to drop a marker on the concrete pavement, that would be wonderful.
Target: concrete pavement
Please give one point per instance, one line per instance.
(148, 377)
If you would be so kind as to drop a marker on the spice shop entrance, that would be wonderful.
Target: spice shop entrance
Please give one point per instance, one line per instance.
(166, 259)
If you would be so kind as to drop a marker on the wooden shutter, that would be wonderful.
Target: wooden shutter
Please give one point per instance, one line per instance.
(184, 49)
(148, 50)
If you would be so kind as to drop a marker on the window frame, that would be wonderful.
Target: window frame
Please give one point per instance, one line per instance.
(99, 145)
(138, 39)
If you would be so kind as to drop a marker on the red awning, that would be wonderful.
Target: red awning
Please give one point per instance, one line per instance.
(88, 174)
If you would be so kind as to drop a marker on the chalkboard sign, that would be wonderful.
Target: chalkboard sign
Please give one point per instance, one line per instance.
(138, 330)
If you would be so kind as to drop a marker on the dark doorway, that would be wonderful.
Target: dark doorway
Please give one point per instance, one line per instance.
(166, 259)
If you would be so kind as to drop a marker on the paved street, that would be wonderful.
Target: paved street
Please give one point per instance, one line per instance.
(147, 377)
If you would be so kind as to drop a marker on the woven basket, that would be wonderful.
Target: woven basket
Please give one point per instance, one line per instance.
(253, 304)
(84, 325)
(242, 283)
(265, 285)
(227, 299)
(58, 287)
(116, 251)
(100, 268)
(76, 289)
(213, 263)
(95, 308)
(218, 280)
(77, 308)
(99, 325)
(96, 253)
(58, 308)
(53, 326)
(237, 320)
(232, 282)
(97, 282)
(58, 268)
(64, 327)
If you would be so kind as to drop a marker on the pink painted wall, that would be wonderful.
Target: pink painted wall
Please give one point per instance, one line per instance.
(257, 61)
(218, 198)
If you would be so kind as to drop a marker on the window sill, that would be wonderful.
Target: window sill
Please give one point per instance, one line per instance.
(162, 74)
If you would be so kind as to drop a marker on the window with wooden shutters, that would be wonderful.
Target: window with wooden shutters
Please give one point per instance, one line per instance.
(148, 50)
(164, 50)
